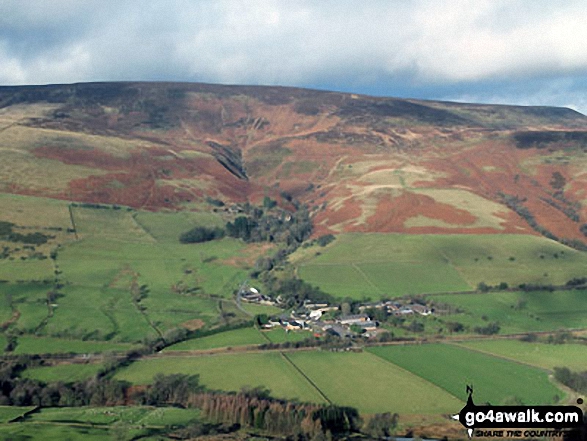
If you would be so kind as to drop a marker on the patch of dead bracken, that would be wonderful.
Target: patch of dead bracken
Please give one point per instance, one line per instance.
(193, 325)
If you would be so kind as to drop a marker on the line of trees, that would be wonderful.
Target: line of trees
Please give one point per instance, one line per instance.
(575, 380)
(7, 233)
(251, 408)
(201, 234)
(515, 204)
(16, 391)
(278, 417)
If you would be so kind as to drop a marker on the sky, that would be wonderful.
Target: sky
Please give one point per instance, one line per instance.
(529, 52)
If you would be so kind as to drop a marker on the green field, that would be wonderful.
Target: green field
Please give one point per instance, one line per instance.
(256, 309)
(166, 227)
(280, 335)
(95, 423)
(118, 251)
(60, 432)
(548, 356)
(452, 368)
(8, 413)
(372, 385)
(62, 372)
(237, 337)
(379, 265)
(28, 270)
(29, 301)
(521, 311)
(229, 372)
(49, 345)
(136, 415)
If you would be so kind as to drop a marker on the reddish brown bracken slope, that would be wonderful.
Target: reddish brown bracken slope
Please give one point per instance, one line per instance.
(361, 163)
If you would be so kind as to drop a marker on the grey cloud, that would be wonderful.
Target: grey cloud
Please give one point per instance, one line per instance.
(414, 43)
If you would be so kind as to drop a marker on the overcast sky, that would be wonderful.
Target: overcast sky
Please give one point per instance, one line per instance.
(497, 51)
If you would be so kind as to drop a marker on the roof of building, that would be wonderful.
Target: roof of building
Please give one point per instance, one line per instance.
(345, 318)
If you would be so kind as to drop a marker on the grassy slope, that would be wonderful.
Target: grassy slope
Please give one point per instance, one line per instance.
(541, 311)
(116, 250)
(8, 413)
(150, 416)
(230, 372)
(378, 265)
(49, 345)
(548, 356)
(372, 385)
(281, 335)
(237, 337)
(452, 368)
(55, 432)
(64, 372)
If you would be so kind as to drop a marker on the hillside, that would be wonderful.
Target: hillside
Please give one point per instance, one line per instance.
(362, 164)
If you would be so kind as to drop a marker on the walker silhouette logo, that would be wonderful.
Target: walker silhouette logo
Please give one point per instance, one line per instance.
(490, 421)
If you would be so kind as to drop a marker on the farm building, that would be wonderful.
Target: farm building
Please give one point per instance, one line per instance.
(353, 319)
(421, 309)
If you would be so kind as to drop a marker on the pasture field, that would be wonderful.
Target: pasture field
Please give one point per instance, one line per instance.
(5, 305)
(236, 337)
(27, 270)
(136, 415)
(230, 372)
(109, 224)
(8, 413)
(47, 345)
(119, 252)
(255, 309)
(521, 311)
(379, 265)
(28, 300)
(371, 384)
(548, 356)
(97, 313)
(452, 368)
(62, 372)
(30, 211)
(97, 423)
(167, 227)
(58, 432)
(280, 335)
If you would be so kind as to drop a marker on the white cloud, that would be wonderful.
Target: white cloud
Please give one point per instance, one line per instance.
(291, 43)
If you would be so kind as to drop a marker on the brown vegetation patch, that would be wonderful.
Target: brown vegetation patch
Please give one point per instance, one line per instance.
(392, 213)
(248, 256)
(193, 325)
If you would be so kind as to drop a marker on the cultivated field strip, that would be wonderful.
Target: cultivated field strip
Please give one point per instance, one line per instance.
(496, 380)
(543, 355)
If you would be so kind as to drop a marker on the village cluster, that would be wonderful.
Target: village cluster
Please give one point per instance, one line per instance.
(322, 318)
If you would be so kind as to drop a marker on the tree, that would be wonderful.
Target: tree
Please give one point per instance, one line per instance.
(490, 329)
(269, 203)
(201, 234)
(416, 326)
(382, 425)
(455, 327)
(345, 308)
(241, 228)
(558, 181)
(483, 287)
